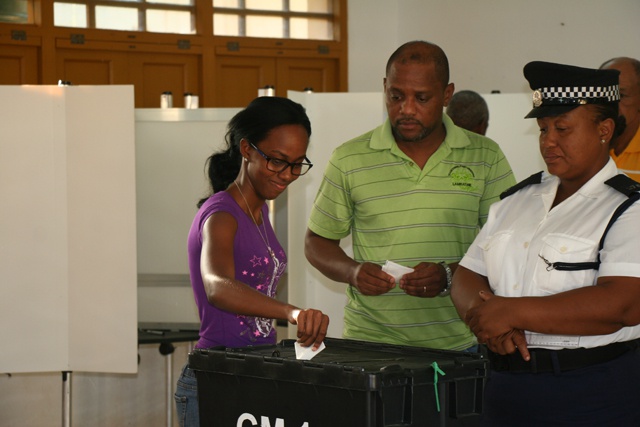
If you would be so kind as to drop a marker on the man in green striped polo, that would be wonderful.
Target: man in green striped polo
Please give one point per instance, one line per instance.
(414, 191)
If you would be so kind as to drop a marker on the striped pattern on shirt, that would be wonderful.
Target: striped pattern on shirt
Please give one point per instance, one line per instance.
(397, 211)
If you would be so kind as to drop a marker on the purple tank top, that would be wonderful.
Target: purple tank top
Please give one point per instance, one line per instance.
(253, 266)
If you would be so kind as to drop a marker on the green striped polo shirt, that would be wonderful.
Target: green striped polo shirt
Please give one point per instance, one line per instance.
(399, 212)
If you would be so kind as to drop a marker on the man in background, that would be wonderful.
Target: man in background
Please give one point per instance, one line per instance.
(413, 191)
(625, 149)
(469, 110)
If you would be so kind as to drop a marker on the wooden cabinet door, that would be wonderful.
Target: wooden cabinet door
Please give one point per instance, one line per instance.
(18, 65)
(155, 73)
(150, 73)
(299, 73)
(91, 67)
(237, 79)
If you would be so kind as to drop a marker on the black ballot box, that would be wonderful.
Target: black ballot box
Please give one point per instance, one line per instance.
(349, 384)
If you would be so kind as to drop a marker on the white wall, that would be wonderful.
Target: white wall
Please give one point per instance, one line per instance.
(517, 137)
(373, 36)
(489, 41)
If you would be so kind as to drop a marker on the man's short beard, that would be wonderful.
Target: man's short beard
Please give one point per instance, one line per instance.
(419, 137)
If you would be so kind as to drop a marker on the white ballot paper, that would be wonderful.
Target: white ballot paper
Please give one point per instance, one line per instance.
(396, 270)
(306, 353)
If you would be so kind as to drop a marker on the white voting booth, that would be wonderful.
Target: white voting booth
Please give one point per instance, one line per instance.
(335, 118)
(67, 230)
(172, 146)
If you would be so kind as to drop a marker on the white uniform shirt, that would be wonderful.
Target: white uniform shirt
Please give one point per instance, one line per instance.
(522, 229)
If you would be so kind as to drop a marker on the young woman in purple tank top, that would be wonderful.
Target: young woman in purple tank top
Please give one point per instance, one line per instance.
(235, 259)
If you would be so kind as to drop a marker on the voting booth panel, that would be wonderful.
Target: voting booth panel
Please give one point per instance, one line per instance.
(68, 245)
(172, 147)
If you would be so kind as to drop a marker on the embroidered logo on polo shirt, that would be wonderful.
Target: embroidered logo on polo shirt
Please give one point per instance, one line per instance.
(462, 178)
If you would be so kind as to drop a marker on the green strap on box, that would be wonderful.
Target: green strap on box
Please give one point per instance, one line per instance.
(436, 371)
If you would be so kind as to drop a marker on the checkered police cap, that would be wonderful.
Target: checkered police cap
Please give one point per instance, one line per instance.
(559, 88)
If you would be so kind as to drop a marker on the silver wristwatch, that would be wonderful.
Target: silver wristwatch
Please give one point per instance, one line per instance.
(447, 289)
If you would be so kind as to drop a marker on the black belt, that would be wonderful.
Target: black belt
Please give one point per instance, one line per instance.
(547, 361)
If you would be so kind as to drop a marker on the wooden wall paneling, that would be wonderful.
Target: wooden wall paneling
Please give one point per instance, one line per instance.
(18, 65)
(155, 73)
(207, 76)
(299, 73)
(238, 78)
(91, 67)
(222, 71)
(48, 67)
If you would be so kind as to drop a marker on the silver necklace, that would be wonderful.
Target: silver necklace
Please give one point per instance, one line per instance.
(276, 262)
(264, 238)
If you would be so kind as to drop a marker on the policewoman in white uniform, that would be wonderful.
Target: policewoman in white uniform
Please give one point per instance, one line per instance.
(555, 299)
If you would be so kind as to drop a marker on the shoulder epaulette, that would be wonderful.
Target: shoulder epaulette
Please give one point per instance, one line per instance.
(629, 188)
(536, 178)
(623, 184)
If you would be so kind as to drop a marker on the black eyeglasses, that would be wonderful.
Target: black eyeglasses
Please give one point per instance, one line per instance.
(280, 165)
